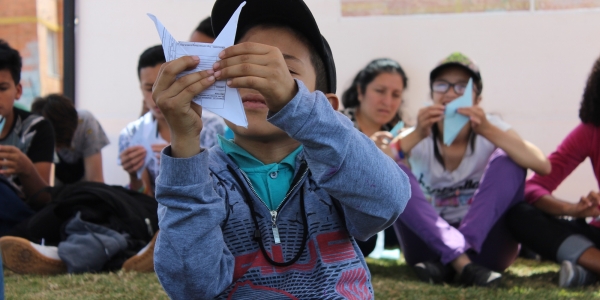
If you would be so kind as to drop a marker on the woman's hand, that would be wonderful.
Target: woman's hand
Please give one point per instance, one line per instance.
(427, 117)
(174, 98)
(382, 140)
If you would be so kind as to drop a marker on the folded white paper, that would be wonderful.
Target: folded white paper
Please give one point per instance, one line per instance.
(218, 98)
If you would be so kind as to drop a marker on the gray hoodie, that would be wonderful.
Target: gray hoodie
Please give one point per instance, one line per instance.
(218, 240)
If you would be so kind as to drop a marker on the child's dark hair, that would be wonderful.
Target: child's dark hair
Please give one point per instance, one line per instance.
(151, 57)
(205, 27)
(10, 60)
(316, 60)
(589, 112)
(61, 113)
(368, 74)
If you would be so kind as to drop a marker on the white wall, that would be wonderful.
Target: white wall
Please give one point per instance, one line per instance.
(534, 64)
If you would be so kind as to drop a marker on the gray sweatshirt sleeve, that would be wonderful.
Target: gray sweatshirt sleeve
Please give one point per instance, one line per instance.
(369, 185)
(191, 258)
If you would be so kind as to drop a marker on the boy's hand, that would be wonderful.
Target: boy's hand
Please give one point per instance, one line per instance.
(13, 161)
(174, 98)
(259, 67)
(132, 158)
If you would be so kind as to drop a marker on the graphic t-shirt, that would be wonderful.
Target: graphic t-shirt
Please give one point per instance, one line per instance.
(89, 138)
(33, 135)
(451, 192)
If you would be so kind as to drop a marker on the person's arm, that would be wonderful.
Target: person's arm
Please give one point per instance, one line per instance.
(34, 167)
(588, 206)
(522, 152)
(33, 176)
(191, 258)
(573, 150)
(89, 139)
(93, 168)
(370, 187)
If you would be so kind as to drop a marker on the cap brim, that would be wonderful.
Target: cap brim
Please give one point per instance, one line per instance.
(293, 13)
(437, 69)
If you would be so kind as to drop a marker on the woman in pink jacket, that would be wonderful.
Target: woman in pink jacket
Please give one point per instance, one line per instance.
(573, 243)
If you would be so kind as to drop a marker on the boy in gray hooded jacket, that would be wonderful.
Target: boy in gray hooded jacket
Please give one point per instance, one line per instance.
(274, 212)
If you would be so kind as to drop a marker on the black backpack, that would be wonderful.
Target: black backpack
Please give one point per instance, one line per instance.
(115, 207)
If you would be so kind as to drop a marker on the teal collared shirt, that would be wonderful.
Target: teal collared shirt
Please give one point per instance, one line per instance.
(271, 182)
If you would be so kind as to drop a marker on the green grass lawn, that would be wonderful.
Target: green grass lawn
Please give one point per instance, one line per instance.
(391, 279)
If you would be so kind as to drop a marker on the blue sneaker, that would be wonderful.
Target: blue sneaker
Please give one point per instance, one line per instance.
(573, 275)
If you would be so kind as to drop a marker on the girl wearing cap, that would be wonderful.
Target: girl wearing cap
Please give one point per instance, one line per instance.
(454, 224)
(372, 103)
(574, 243)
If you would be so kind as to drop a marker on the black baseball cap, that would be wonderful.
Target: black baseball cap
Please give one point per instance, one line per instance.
(293, 13)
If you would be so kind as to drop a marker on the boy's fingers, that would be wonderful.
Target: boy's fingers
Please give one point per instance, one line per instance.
(132, 149)
(6, 163)
(245, 48)
(7, 149)
(249, 82)
(242, 70)
(169, 71)
(139, 165)
(197, 87)
(185, 81)
(8, 171)
(255, 59)
(136, 153)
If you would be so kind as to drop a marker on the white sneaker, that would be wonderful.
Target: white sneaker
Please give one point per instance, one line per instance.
(22, 257)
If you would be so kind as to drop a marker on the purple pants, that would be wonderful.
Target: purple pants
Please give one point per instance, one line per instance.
(482, 234)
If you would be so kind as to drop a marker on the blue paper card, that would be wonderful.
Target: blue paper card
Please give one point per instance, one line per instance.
(453, 121)
(396, 130)
(2, 123)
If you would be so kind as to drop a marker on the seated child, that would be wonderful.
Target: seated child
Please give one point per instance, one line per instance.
(26, 146)
(455, 223)
(79, 139)
(574, 244)
(153, 123)
(274, 212)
